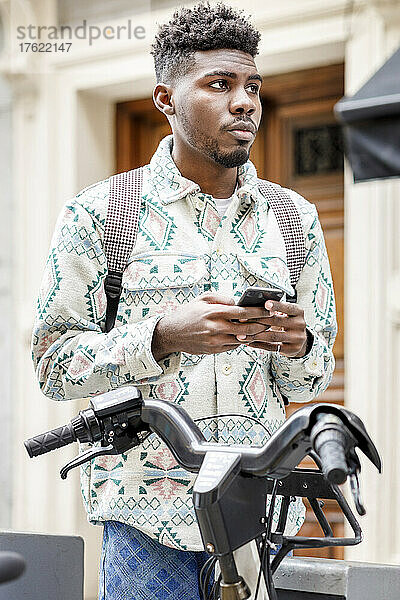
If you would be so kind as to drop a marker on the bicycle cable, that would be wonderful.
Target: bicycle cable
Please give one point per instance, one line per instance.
(223, 415)
(266, 549)
(217, 588)
(272, 595)
(205, 575)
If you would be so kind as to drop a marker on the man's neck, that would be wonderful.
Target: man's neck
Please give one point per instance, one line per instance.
(213, 179)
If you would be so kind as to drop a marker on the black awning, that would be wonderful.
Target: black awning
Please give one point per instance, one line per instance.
(371, 123)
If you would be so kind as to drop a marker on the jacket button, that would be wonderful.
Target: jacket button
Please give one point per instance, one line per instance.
(227, 369)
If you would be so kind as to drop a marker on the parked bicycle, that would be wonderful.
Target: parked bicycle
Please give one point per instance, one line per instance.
(230, 492)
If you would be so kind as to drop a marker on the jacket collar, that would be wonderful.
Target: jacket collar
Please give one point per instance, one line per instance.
(171, 185)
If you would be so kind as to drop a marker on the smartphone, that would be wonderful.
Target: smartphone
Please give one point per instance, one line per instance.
(257, 296)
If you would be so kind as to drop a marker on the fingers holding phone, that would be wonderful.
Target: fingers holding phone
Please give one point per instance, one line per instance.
(258, 297)
(285, 328)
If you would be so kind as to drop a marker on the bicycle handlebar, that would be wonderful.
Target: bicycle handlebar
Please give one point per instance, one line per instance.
(232, 477)
(85, 427)
(329, 441)
(121, 417)
(51, 440)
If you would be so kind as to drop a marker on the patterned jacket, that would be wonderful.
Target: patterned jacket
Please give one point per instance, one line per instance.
(183, 249)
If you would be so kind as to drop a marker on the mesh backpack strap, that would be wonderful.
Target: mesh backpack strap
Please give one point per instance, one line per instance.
(120, 234)
(289, 221)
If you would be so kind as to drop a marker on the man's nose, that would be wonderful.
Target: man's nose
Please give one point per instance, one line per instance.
(242, 102)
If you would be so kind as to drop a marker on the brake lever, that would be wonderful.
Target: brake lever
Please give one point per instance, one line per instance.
(123, 441)
(356, 493)
(355, 487)
(85, 457)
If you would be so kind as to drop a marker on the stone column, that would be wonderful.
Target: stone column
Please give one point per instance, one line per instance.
(6, 304)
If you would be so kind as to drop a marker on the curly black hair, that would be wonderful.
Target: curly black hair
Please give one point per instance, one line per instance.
(203, 27)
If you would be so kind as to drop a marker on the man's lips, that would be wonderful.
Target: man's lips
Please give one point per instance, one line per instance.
(242, 126)
(243, 131)
(242, 134)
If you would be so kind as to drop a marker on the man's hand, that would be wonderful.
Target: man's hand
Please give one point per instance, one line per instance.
(204, 326)
(286, 330)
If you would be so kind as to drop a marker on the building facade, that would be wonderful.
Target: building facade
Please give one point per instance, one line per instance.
(67, 109)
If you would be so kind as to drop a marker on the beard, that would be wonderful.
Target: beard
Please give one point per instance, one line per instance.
(234, 158)
(210, 146)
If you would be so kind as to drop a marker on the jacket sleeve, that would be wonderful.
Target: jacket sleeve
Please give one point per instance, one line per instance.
(72, 356)
(302, 379)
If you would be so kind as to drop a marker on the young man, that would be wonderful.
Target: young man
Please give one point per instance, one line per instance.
(205, 233)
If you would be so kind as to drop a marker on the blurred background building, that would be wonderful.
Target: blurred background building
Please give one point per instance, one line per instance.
(70, 118)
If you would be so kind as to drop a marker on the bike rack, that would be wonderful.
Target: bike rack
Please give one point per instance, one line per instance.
(326, 579)
(54, 567)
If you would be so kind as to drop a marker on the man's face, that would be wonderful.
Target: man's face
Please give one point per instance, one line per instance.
(217, 106)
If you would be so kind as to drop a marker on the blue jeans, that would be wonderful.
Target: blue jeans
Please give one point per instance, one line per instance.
(136, 567)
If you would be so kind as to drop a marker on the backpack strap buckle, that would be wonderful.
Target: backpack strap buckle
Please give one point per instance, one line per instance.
(113, 284)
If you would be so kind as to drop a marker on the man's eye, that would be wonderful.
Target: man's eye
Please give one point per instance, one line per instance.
(254, 88)
(220, 84)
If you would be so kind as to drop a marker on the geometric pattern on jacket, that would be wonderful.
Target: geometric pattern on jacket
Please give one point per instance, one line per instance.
(183, 249)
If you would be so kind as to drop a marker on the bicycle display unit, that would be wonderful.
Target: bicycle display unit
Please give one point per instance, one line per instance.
(229, 495)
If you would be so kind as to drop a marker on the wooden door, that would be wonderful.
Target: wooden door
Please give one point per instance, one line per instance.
(301, 149)
(298, 146)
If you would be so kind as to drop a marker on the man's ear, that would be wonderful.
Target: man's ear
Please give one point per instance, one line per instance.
(162, 98)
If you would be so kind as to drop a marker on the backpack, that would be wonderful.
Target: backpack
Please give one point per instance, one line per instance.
(122, 222)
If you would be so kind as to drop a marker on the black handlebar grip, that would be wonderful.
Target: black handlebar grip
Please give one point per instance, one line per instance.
(330, 443)
(12, 565)
(45, 442)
